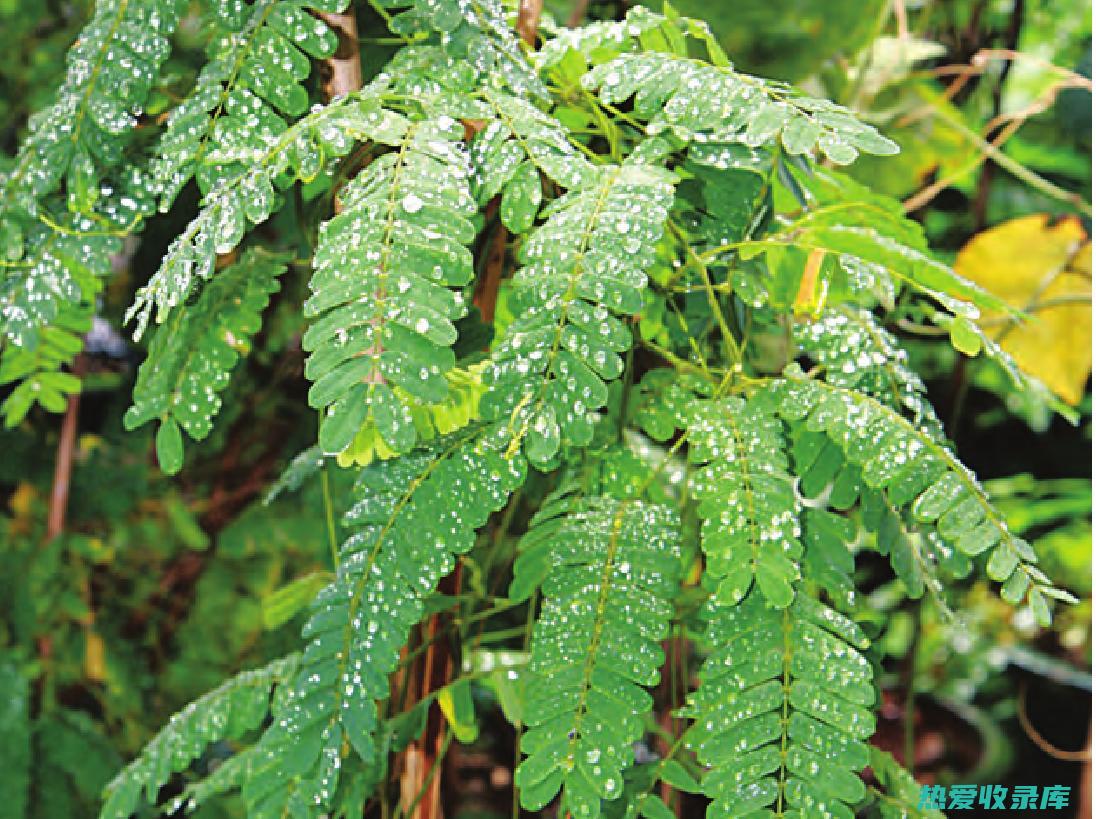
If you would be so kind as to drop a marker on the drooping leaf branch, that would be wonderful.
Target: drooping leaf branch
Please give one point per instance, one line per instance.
(662, 239)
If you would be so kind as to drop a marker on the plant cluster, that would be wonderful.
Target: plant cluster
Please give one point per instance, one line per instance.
(607, 285)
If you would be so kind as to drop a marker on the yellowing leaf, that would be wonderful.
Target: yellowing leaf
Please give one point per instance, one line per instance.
(813, 286)
(95, 665)
(455, 701)
(23, 502)
(1045, 270)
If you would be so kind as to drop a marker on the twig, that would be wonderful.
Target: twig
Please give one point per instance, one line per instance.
(59, 493)
(901, 19)
(529, 12)
(578, 13)
(1084, 755)
(66, 446)
(985, 179)
(487, 290)
(992, 150)
(343, 69)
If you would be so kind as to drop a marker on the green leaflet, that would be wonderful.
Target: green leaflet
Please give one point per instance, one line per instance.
(900, 797)
(413, 515)
(641, 28)
(191, 359)
(583, 268)
(858, 354)
(917, 471)
(83, 134)
(608, 571)
(258, 58)
(475, 32)
(245, 194)
(384, 294)
(827, 555)
(746, 501)
(230, 711)
(782, 711)
(697, 102)
(521, 136)
(36, 371)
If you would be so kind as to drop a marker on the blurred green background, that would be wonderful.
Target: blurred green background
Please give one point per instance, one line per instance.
(155, 591)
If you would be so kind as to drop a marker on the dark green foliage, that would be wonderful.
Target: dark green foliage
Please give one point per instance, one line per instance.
(191, 358)
(607, 570)
(382, 304)
(783, 710)
(551, 300)
(231, 711)
(582, 269)
(358, 624)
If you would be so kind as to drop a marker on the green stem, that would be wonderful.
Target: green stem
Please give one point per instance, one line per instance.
(329, 517)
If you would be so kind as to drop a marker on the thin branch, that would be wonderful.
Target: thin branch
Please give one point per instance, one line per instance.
(1044, 745)
(578, 13)
(992, 150)
(343, 69)
(66, 447)
(529, 12)
(59, 494)
(487, 289)
(901, 19)
(985, 178)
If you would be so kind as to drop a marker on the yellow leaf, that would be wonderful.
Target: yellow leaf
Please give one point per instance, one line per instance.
(95, 666)
(812, 286)
(1045, 270)
(455, 701)
(24, 501)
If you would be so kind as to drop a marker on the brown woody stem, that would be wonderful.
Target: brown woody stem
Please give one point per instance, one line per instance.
(66, 447)
(343, 69)
(529, 12)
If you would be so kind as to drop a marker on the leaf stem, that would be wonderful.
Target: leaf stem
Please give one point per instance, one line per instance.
(329, 516)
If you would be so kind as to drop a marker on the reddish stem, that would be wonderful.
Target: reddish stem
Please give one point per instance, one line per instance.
(66, 447)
